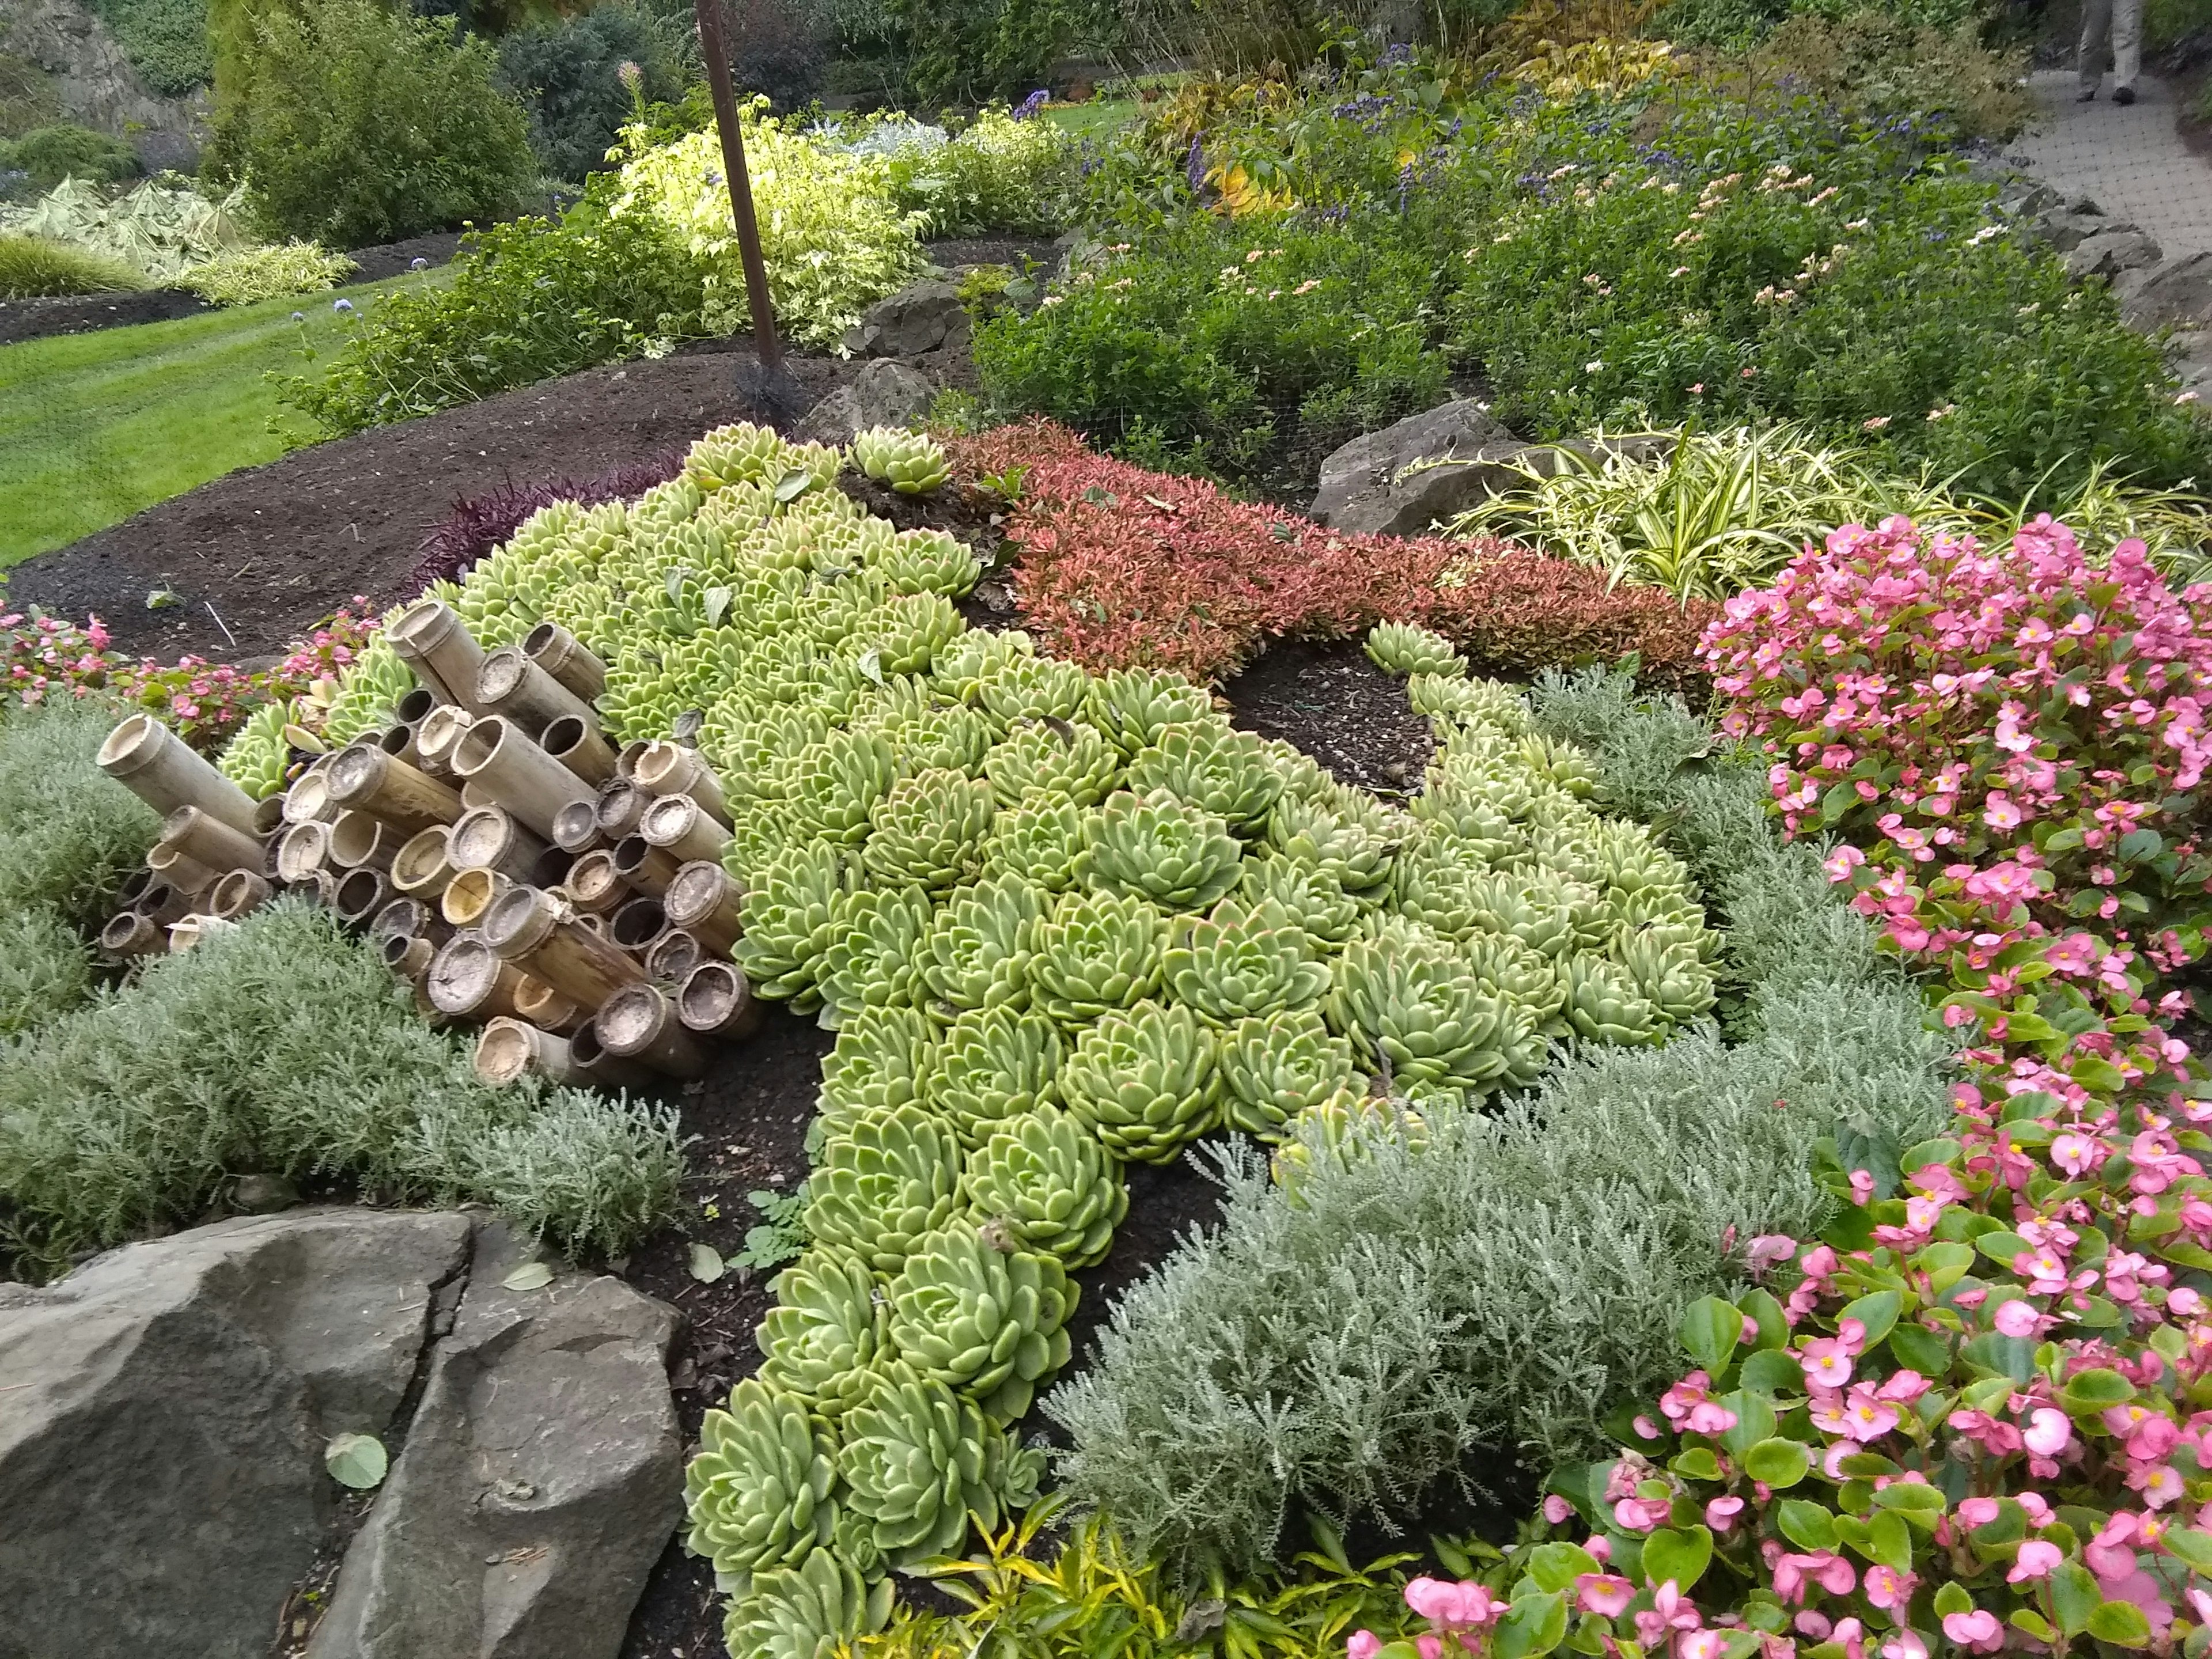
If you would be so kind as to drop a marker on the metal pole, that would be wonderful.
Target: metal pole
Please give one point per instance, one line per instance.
(714, 51)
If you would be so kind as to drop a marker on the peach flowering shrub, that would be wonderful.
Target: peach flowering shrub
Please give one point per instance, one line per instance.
(2011, 750)
(1973, 1416)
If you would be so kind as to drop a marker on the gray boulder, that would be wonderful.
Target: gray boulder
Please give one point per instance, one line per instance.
(2177, 293)
(166, 1411)
(884, 394)
(924, 316)
(542, 1477)
(2109, 252)
(1365, 485)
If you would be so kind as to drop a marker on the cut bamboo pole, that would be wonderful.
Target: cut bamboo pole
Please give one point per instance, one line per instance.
(361, 893)
(415, 707)
(470, 894)
(489, 838)
(160, 767)
(639, 1022)
(593, 887)
(321, 886)
(269, 815)
(423, 864)
(577, 744)
(576, 827)
(409, 957)
(272, 852)
(134, 934)
(529, 782)
(716, 1000)
(187, 932)
(398, 741)
(238, 894)
(430, 637)
(670, 768)
(707, 900)
(164, 902)
(565, 658)
(365, 778)
(180, 869)
(607, 1071)
(510, 1048)
(546, 1008)
(550, 868)
(620, 804)
(645, 867)
(200, 835)
(682, 827)
(308, 801)
(512, 686)
(673, 955)
(637, 925)
(359, 841)
(409, 918)
(626, 758)
(303, 850)
(435, 739)
(475, 797)
(537, 932)
(468, 980)
(134, 888)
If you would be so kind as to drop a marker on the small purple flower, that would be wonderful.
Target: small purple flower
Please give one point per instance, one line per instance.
(1193, 165)
(299, 316)
(1032, 105)
(340, 305)
(419, 264)
(1397, 55)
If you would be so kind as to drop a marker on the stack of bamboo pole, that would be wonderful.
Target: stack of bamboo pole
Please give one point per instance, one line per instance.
(504, 857)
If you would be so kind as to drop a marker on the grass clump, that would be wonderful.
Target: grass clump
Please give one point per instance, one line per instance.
(281, 1046)
(37, 268)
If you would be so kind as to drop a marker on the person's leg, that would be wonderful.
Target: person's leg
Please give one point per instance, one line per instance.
(2096, 25)
(2127, 48)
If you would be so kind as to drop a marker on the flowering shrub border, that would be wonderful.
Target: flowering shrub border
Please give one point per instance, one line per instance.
(1121, 566)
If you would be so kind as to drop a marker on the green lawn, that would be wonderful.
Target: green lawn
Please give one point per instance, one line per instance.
(95, 426)
(1098, 117)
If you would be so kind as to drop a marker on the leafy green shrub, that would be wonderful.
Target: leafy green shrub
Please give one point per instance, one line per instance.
(531, 299)
(34, 267)
(265, 273)
(45, 969)
(167, 41)
(283, 1045)
(68, 834)
(354, 124)
(1885, 65)
(52, 154)
(1214, 341)
(1903, 315)
(159, 226)
(566, 72)
(935, 53)
(1001, 173)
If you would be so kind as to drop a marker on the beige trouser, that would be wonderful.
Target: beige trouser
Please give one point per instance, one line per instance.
(2122, 21)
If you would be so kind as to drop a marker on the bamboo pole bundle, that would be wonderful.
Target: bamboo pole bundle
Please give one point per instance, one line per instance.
(359, 841)
(468, 980)
(608, 1071)
(578, 746)
(301, 851)
(435, 739)
(620, 804)
(180, 869)
(510, 1048)
(470, 894)
(550, 868)
(367, 779)
(308, 801)
(409, 918)
(522, 777)
(547, 1009)
(237, 894)
(645, 867)
(538, 933)
(269, 815)
(669, 769)
(707, 900)
(576, 827)
(715, 1000)
(639, 1022)
(361, 894)
(509, 684)
(160, 767)
(682, 827)
(638, 925)
(213, 841)
(592, 885)
(491, 838)
(423, 864)
(431, 640)
(561, 654)
(134, 934)
(626, 758)
(673, 955)
(408, 957)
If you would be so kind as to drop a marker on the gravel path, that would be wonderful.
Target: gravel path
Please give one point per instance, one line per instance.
(2132, 161)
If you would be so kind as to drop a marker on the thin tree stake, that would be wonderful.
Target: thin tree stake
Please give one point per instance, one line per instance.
(715, 50)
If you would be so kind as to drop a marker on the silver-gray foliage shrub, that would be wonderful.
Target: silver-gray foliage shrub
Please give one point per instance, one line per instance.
(1506, 1280)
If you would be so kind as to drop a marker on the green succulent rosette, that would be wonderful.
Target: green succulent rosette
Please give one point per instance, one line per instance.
(1632, 867)
(1242, 960)
(1208, 765)
(831, 787)
(883, 1183)
(1340, 1128)
(1604, 1003)
(791, 911)
(1438, 882)
(1330, 916)
(906, 632)
(1356, 850)
(1096, 953)
(987, 1320)
(1048, 1182)
(1668, 975)
(1489, 701)
(1135, 706)
(873, 961)
(1275, 1066)
(1409, 649)
(1040, 840)
(918, 1460)
(1470, 814)
(977, 655)
(1413, 1008)
(978, 951)
(760, 1492)
(1057, 759)
(911, 463)
(1535, 914)
(1145, 1081)
(829, 1331)
(883, 1058)
(806, 1612)
(927, 562)
(1562, 765)
(1522, 977)
(994, 1065)
(1032, 689)
(929, 831)
(1154, 847)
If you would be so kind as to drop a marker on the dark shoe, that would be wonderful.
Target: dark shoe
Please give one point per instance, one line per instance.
(2124, 95)
(2085, 95)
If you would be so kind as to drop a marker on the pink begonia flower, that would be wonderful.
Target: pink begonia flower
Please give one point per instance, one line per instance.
(2036, 1559)
(2147, 1593)
(1978, 1631)
(1428, 1647)
(1886, 1587)
(1866, 1416)
(1827, 1362)
(1861, 1187)
(1904, 1645)
(1362, 1644)
(1600, 1548)
(1831, 1573)
(1557, 1510)
(1702, 1644)
(2048, 1431)
(1767, 1249)
(1710, 1417)
(2158, 1485)
(1720, 1513)
(1640, 1514)
(1645, 1428)
(1903, 1387)
(1815, 1624)
(1452, 1606)
(2184, 1301)
(2017, 1317)
(2108, 1554)
(1607, 1594)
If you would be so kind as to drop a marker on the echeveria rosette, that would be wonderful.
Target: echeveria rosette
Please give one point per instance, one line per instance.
(1963, 1419)
(918, 1460)
(929, 829)
(960, 670)
(979, 947)
(806, 1612)
(1668, 975)
(927, 562)
(742, 454)
(831, 787)
(1032, 689)
(1154, 847)
(911, 463)
(994, 1065)
(907, 631)
(1353, 849)
(986, 1319)
(1039, 840)
(1096, 953)
(1057, 759)
(1275, 1067)
(1408, 648)
(1242, 960)
(874, 958)
(827, 1333)
(1045, 1180)
(1329, 915)
(1605, 1003)
(1145, 1080)
(760, 1491)
(1561, 765)
(1414, 1008)
(791, 912)
(882, 1058)
(1456, 697)
(1522, 977)
(1208, 765)
(883, 1181)
(1136, 706)
(1338, 1129)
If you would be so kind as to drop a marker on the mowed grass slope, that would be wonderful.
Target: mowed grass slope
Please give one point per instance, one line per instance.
(94, 427)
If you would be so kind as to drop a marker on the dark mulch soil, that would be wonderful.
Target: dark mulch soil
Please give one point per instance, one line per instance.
(386, 259)
(1330, 701)
(1013, 251)
(85, 314)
